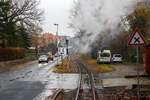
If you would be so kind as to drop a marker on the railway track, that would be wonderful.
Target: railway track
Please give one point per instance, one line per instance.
(96, 91)
(90, 87)
(86, 87)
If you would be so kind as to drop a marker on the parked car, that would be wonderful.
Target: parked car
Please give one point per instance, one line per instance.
(104, 56)
(117, 58)
(43, 58)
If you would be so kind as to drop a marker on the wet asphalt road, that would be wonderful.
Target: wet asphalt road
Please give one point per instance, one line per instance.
(26, 83)
(37, 81)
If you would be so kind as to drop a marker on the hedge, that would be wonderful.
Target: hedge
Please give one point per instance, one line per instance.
(11, 53)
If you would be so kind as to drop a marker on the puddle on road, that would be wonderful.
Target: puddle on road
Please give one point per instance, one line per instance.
(51, 81)
(42, 64)
(62, 81)
(58, 81)
(44, 95)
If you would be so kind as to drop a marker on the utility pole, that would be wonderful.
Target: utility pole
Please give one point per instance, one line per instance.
(57, 41)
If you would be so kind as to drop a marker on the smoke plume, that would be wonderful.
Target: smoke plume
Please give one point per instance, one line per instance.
(90, 18)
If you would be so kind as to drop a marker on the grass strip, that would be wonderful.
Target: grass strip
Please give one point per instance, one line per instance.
(100, 67)
(65, 67)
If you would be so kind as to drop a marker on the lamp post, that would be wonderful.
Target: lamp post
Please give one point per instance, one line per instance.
(57, 41)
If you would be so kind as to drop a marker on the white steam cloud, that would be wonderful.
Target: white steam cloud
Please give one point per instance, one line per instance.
(96, 16)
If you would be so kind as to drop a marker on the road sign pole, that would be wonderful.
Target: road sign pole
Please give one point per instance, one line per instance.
(137, 40)
(138, 75)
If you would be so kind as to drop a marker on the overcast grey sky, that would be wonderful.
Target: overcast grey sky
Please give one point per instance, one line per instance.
(56, 11)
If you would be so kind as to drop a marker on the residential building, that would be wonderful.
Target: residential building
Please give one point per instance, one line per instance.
(49, 38)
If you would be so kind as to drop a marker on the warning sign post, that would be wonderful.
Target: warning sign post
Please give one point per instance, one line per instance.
(137, 40)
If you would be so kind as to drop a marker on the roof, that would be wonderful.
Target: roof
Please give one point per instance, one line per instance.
(107, 51)
(49, 35)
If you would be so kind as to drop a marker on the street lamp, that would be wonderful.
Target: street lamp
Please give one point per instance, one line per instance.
(57, 41)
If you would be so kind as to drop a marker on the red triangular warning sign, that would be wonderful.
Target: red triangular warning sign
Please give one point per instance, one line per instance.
(137, 39)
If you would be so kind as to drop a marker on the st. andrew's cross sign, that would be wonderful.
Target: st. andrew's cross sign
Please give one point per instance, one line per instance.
(137, 39)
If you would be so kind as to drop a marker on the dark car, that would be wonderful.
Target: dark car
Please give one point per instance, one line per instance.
(43, 58)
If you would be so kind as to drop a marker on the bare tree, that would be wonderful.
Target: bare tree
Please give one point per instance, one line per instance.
(26, 11)
(22, 15)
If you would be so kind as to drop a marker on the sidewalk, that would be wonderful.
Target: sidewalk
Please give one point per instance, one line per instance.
(15, 64)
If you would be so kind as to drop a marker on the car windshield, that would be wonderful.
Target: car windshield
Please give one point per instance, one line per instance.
(43, 56)
(105, 55)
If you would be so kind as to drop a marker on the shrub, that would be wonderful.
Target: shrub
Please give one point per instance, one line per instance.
(31, 51)
(11, 53)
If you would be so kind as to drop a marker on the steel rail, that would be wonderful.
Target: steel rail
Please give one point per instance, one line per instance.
(79, 86)
(93, 89)
(57, 94)
(91, 80)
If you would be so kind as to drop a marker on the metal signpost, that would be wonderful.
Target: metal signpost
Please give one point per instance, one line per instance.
(57, 41)
(137, 40)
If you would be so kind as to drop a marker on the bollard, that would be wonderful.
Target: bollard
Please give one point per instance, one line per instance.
(147, 59)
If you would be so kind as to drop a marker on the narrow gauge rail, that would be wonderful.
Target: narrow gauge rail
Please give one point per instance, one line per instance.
(86, 77)
(59, 95)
